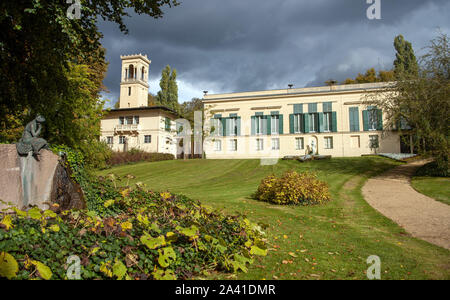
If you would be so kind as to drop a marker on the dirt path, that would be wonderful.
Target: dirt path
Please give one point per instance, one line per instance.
(423, 217)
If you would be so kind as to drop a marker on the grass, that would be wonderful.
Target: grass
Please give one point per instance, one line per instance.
(331, 241)
(437, 188)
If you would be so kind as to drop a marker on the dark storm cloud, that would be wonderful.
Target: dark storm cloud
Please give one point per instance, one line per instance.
(237, 45)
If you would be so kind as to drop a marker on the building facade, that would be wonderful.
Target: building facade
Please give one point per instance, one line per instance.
(135, 125)
(320, 120)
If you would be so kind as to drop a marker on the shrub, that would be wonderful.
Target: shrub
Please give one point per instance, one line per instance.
(433, 169)
(293, 188)
(135, 155)
(126, 233)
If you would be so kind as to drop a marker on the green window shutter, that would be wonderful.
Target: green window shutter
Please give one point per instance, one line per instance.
(280, 124)
(380, 119)
(291, 123)
(306, 122)
(320, 117)
(365, 120)
(298, 108)
(351, 115)
(327, 107)
(224, 126)
(312, 107)
(253, 119)
(274, 113)
(269, 124)
(238, 125)
(333, 121)
(356, 118)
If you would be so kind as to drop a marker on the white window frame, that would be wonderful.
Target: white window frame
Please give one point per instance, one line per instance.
(145, 139)
(122, 139)
(373, 119)
(218, 145)
(275, 144)
(233, 126)
(328, 142)
(298, 121)
(259, 125)
(312, 122)
(302, 141)
(232, 146)
(275, 124)
(110, 140)
(259, 144)
(327, 122)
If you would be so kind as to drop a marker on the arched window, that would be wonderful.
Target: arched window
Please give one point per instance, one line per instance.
(126, 74)
(132, 71)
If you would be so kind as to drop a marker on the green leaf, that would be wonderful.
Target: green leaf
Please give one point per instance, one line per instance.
(35, 213)
(49, 214)
(189, 232)
(108, 203)
(43, 270)
(19, 212)
(164, 275)
(119, 269)
(7, 221)
(54, 227)
(8, 266)
(166, 256)
(258, 251)
(153, 243)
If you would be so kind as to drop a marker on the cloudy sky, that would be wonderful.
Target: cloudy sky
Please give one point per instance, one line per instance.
(245, 45)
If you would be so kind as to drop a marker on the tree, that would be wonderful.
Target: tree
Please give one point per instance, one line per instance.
(371, 76)
(405, 63)
(152, 100)
(168, 95)
(418, 104)
(38, 41)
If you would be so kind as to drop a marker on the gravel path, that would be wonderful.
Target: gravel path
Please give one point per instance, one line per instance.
(423, 217)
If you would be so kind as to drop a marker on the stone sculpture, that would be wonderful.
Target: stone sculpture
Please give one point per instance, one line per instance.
(30, 141)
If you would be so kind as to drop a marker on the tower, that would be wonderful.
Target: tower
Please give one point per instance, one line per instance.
(133, 84)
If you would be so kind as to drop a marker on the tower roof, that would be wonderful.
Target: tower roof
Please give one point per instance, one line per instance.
(134, 56)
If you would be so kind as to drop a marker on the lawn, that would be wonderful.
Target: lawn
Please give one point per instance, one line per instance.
(331, 241)
(434, 187)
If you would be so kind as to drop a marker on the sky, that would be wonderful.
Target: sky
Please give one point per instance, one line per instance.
(248, 45)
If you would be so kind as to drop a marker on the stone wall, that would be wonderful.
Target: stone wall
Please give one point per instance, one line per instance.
(27, 181)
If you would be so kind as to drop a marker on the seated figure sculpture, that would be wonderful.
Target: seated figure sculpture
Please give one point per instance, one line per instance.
(30, 141)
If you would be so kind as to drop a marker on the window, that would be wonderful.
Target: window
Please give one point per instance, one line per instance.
(147, 139)
(327, 121)
(129, 120)
(373, 119)
(328, 142)
(354, 142)
(217, 124)
(259, 124)
(233, 145)
(354, 118)
(299, 144)
(136, 120)
(275, 144)
(313, 122)
(167, 124)
(142, 73)
(298, 121)
(275, 124)
(259, 144)
(233, 126)
(122, 139)
(121, 120)
(109, 140)
(217, 145)
(129, 91)
(373, 141)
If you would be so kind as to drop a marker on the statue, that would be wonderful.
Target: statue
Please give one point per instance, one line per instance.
(30, 141)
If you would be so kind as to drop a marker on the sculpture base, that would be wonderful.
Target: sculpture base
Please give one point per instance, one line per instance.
(26, 181)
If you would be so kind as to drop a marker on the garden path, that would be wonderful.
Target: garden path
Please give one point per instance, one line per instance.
(423, 217)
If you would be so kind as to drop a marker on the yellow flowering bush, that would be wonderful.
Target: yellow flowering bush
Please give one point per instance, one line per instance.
(293, 188)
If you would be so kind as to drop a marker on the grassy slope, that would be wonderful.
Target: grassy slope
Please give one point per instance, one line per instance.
(331, 241)
(434, 187)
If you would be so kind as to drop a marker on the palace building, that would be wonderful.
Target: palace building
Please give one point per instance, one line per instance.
(135, 125)
(331, 120)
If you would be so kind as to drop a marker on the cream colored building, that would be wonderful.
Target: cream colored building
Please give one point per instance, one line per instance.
(134, 125)
(273, 124)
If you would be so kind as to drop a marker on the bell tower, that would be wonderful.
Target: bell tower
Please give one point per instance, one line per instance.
(133, 84)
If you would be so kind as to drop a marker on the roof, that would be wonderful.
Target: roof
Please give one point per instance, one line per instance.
(335, 89)
(144, 108)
